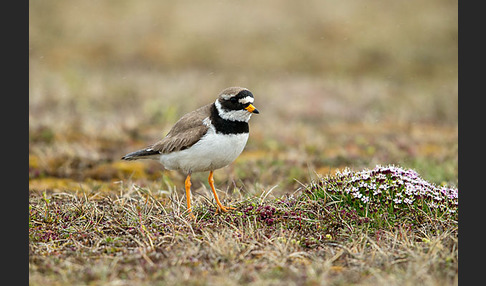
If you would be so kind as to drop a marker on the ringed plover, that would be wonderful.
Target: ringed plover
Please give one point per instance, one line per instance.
(206, 139)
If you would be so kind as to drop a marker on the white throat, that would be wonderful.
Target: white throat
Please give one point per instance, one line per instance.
(232, 115)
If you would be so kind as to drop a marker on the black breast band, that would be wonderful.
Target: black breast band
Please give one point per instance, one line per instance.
(227, 126)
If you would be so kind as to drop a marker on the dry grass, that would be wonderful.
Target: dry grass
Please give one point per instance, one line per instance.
(338, 85)
(144, 237)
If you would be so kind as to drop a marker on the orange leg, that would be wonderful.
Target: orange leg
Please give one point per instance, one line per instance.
(211, 184)
(188, 195)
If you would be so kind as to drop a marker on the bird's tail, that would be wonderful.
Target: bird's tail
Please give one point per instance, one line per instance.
(142, 154)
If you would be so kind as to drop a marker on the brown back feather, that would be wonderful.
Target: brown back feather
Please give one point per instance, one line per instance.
(185, 133)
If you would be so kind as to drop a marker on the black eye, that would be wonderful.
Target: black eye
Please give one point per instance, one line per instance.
(234, 100)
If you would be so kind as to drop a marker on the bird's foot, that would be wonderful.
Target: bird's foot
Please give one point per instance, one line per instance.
(224, 209)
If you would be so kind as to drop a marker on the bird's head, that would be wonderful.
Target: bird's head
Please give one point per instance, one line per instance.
(236, 104)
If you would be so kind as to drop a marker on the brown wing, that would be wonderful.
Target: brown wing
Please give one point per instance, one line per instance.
(185, 133)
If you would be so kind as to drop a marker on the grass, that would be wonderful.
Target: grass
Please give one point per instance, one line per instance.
(319, 234)
(345, 90)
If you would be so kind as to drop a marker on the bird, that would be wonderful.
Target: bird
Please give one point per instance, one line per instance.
(206, 139)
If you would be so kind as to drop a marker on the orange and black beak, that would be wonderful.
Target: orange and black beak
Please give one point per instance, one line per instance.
(252, 109)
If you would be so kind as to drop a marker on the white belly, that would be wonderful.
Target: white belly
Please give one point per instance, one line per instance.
(212, 152)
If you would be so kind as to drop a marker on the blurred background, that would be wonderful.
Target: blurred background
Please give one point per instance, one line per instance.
(337, 83)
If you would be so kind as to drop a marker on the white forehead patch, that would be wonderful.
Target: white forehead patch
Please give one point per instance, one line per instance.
(246, 100)
(227, 96)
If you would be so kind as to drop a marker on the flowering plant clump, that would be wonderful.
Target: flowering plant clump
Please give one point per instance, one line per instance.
(388, 193)
(385, 198)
